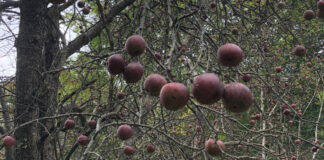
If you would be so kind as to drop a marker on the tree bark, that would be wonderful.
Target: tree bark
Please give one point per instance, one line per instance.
(36, 92)
(37, 44)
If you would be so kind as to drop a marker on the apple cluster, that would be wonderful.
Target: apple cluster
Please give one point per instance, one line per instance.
(320, 9)
(116, 64)
(207, 87)
(310, 14)
(82, 140)
(124, 132)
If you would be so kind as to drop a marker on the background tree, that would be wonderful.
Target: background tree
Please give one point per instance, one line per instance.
(59, 78)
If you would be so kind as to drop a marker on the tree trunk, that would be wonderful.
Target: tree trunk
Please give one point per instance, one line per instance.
(37, 44)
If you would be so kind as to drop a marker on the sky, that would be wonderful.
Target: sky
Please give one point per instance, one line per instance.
(8, 53)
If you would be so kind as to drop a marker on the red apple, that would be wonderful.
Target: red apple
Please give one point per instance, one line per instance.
(300, 51)
(115, 64)
(133, 72)
(150, 148)
(69, 124)
(287, 112)
(92, 124)
(81, 4)
(158, 56)
(237, 97)
(239, 146)
(207, 88)
(314, 149)
(290, 122)
(281, 4)
(278, 69)
(174, 96)
(235, 31)
(214, 149)
(135, 45)
(230, 55)
(212, 4)
(320, 5)
(124, 132)
(198, 128)
(293, 158)
(153, 84)
(252, 122)
(309, 64)
(129, 150)
(83, 140)
(246, 77)
(297, 141)
(120, 95)
(86, 10)
(9, 141)
(309, 14)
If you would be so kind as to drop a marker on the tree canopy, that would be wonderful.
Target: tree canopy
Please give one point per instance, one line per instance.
(232, 79)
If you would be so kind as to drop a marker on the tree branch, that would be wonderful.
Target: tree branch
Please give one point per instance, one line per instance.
(7, 4)
(95, 30)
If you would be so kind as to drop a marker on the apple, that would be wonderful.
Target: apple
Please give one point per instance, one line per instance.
(133, 72)
(309, 64)
(150, 148)
(198, 128)
(212, 4)
(281, 4)
(246, 77)
(115, 64)
(314, 149)
(300, 50)
(120, 95)
(69, 124)
(214, 149)
(235, 31)
(230, 55)
(183, 49)
(320, 5)
(252, 122)
(239, 146)
(80, 4)
(287, 112)
(297, 141)
(293, 157)
(135, 45)
(153, 84)
(309, 14)
(158, 56)
(237, 97)
(182, 60)
(129, 150)
(124, 132)
(9, 141)
(86, 10)
(174, 96)
(278, 69)
(207, 88)
(290, 122)
(92, 124)
(83, 140)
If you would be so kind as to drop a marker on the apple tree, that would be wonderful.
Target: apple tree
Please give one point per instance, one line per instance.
(163, 79)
